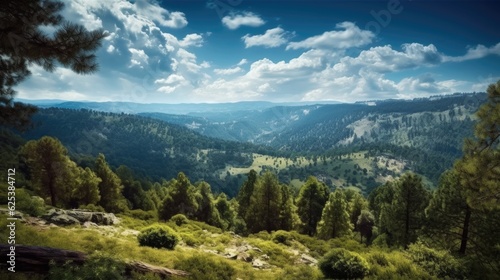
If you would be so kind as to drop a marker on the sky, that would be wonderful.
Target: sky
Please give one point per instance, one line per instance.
(187, 51)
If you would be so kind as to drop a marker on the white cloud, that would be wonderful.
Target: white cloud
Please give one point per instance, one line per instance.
(350, 36)
(195, 40)
(174, 78)
(242, 62)
(139, 57)
(228, 71)
(110, 49)
(271, 38)
(234, 21)
(477, 52)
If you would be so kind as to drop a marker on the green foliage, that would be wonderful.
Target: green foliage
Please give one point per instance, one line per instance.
(479, 168)
(97, 267)
(203, 267)
(264, 209)
(300, 272)
(158, 236)
(335, 220)
(310, 202)
(179, 219)
(245, 193)
(365, 224)
(343, 264)
(281, 236)
(23, 43)
(53, 173)
(143, 215)
(437, 262)
(180, 199)
(92, 207)
(32, 205)
(110, 187)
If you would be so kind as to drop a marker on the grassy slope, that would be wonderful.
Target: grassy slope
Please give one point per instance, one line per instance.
(120, 242)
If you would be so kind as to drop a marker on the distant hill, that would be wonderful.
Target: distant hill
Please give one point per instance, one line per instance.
(335, 142)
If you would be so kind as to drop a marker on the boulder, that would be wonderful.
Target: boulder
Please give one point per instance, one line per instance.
(64, 219)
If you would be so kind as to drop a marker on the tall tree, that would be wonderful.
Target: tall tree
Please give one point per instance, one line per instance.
(50, 166)
(180, 199)
(206, 212)
(110, 186)
(365, 224)
(288, 211)
(87, 190)
(407, 212)
(245, 193)
(310, 202)
(264, 210)
(22, 43)
(226, 211)
(335, 219)
(479, 167)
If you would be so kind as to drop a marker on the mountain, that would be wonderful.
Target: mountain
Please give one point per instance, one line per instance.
(351, 145)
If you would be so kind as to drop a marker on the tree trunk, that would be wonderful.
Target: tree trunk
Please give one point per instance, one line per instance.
(465, 231)
(36, 259)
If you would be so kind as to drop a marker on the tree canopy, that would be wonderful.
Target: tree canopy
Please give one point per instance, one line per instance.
(23, 43)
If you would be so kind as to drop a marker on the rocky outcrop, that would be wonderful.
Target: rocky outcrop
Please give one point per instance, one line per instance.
(77, 216)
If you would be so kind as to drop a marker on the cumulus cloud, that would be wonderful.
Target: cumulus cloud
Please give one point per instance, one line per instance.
(234, 21)
(271, 38)
(242, 62)
(348, 36)
(228, 71)
(195, 40)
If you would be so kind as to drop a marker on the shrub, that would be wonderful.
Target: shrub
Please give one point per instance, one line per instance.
(96, 267)
(282, 237)
(343, 264)
(92, 207)
(436, 262)
(158, 236)
(179, 219)
(32, 205)
(203, 267)
(142, 215)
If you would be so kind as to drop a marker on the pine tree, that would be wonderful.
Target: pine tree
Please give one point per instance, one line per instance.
(365, 224)
(226, 212)
(207, 212)
(407, 211)
(22, 43)
(110, 187)
(335, 220)
(87, 190)
(264, 210)
(479, 168)
(245, 193)
(310, 202)
(288, 211)
(180, 199)
(50, 169)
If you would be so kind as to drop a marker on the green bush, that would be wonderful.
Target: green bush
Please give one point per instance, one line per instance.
(92, 207)
(142, 215)
(203, 267)
(158, 236)
(96, 267)
(282, 237)
(343, 264)
(436, 262)
(179, 219)
(32, 205)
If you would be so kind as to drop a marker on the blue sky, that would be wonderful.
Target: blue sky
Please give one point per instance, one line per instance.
(241, 50)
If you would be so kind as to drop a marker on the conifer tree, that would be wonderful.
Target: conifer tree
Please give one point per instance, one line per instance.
(22, 43)
(264, 210)
(310, 202)
(206, 212)
(50, 169)
(110, 187)
(87, 190)
(479, 168)
(180, 198)
(335, 219)
(245, 193)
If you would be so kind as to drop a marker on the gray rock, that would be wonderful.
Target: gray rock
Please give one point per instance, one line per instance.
(81, 216)
(244, 257)
(64, 219)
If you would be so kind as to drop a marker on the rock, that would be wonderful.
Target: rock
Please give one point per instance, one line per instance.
(265, 257)
(59, 216)
(64, 219)
(306, 259)
(244, 257)
(260, 264)
(89, 225)
(81, 216)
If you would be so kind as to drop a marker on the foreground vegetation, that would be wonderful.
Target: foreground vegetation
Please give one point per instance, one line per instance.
(401, 230)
